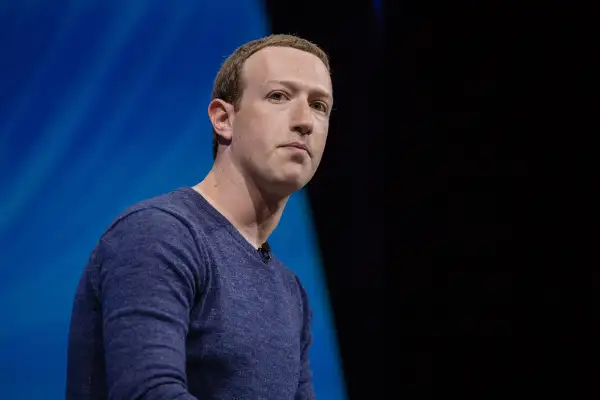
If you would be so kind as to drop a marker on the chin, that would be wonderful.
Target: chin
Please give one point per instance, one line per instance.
(287, 185)
(286, 179)
(290, 186)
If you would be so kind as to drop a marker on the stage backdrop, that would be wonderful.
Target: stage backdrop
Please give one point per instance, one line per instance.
(103, 104)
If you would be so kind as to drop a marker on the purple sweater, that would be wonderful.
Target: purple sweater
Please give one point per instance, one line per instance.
(175, 304)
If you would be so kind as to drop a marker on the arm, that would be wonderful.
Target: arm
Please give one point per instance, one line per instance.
(305, 385)
(148, 269)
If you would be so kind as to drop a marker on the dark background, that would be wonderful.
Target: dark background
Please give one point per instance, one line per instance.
(346, 195)
(447, 180)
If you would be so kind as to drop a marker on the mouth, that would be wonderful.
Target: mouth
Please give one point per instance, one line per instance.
(298, 145)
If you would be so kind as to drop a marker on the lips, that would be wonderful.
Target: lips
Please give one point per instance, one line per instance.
(298, 145)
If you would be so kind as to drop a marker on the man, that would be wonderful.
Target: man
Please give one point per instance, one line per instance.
(181, 298)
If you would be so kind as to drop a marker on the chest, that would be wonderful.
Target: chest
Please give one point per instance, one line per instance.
(248, 314)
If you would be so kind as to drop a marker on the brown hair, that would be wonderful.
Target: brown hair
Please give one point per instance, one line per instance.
(228, 84)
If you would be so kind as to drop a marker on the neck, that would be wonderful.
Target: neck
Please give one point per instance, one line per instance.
(254, 213)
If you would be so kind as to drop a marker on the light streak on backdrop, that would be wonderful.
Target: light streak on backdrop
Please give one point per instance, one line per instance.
(377, 4)
(103, 104)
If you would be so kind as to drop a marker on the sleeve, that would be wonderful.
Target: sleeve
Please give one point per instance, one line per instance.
(149, 267)
(305, 385)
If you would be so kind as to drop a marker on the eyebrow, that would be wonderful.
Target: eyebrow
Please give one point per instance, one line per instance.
(292, 85)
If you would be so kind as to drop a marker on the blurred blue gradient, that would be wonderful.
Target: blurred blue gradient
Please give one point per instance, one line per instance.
(103, 104)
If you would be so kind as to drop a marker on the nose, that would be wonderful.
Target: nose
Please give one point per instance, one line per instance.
(302, 119)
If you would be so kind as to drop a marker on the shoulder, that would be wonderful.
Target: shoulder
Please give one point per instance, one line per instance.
(169, 207)
(148, 245)
(295, 285)
(302, 300)
(147, 222)
(303, 296)
(162, 226)
(177, 212)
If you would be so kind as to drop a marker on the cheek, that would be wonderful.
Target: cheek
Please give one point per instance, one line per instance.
(261, 126)
(249, 132)
(319, 140)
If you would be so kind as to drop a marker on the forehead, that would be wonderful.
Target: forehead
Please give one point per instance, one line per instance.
(285, 63)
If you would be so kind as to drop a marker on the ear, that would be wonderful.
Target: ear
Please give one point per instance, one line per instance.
(221, 115)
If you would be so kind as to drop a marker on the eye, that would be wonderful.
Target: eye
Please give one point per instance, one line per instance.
(277, 96)
(319, 106)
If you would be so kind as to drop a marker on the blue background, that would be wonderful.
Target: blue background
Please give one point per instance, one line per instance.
(103, 104)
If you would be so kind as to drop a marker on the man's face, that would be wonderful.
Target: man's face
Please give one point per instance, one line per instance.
(286, 102)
